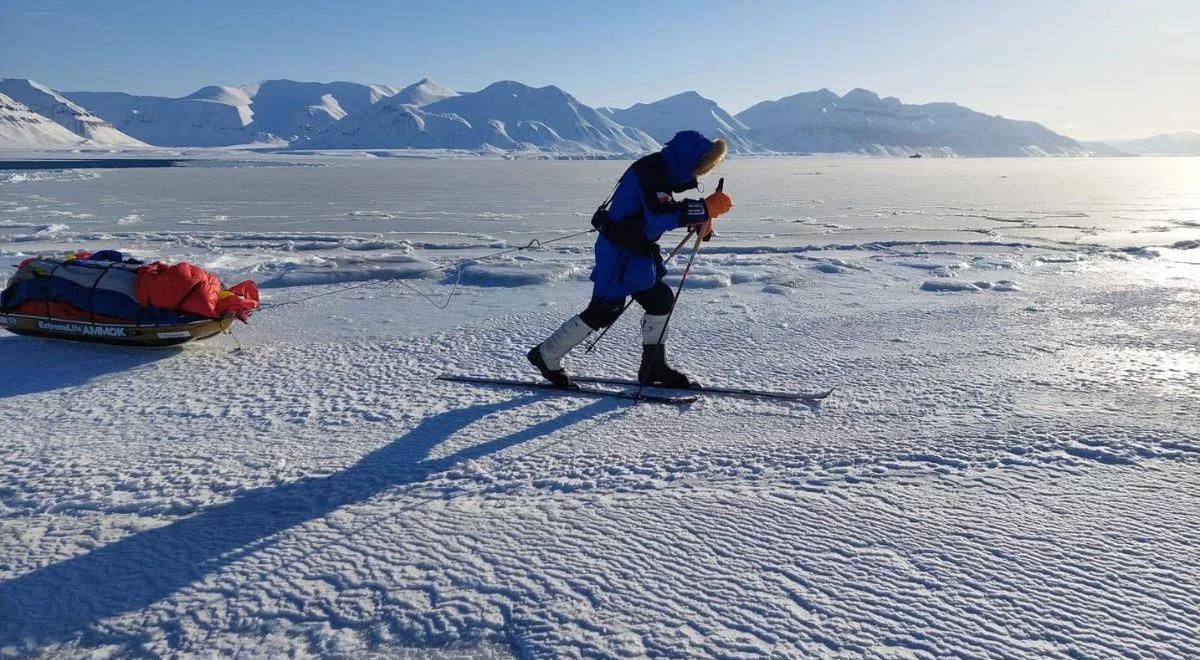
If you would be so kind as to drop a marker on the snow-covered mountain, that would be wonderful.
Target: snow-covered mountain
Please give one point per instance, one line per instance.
(397, 122)
(510, 116)
(211, 117)
(391, 124)
(22, 127)
(52, 105)
(1185, 143)
(506, 116)
(862, 122)
(223, 115)
(298, 110)
(687, 111)
(423, 92)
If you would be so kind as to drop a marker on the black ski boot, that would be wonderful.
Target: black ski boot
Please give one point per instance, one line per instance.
(557, 377)
(654, 370)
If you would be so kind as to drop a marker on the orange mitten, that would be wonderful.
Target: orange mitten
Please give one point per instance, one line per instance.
(718, 204)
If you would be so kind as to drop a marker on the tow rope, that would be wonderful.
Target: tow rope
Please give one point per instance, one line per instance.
(532, 244)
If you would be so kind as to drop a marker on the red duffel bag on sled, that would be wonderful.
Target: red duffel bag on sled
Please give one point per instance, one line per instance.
(189, 288)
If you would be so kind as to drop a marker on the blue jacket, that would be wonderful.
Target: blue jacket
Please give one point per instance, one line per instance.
(619, 273)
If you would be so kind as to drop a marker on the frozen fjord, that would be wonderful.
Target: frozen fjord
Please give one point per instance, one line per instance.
(1009, 464)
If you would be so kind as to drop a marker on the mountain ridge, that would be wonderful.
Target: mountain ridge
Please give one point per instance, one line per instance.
(1182, 143)
(504, 116)
(862, 122)
(509, 116)
(688, 110)
(50, 104)
(22, 128)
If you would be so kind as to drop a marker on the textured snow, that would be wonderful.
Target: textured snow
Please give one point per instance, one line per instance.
(950, 286)
(998, 474)
(518, 272)
(344, 268)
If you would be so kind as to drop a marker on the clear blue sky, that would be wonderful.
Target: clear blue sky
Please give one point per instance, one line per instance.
(1090, 68)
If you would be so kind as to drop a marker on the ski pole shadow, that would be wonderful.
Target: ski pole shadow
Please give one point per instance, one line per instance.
(65, 600)
(37, 365)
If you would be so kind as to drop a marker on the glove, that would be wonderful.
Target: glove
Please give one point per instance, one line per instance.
(718, 204)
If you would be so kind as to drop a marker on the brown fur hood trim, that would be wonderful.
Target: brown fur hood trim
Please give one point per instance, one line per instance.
(711, 159)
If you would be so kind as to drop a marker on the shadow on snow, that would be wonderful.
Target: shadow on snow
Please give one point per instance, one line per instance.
(65, 599)
(42, 365)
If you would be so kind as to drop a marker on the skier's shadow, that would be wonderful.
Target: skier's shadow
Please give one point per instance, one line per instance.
(64, 599)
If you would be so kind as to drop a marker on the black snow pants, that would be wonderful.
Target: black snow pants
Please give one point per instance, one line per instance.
(602, 312)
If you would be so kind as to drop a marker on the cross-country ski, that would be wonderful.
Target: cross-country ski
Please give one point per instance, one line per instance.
(816, 395)
(573, 390)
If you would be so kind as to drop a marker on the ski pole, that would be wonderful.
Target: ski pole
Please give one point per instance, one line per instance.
(629, 302)
(706, 229)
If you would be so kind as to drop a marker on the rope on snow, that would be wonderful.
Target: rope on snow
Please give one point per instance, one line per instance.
(533, 243)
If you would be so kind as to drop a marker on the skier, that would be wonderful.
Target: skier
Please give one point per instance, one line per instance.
(629, 261)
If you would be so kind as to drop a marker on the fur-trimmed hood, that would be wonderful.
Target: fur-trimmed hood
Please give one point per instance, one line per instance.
(689, 155)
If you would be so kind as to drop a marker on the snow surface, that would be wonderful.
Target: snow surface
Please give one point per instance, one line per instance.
(997, 474)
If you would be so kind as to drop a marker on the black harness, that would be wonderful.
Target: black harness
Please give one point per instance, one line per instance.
(629, 233)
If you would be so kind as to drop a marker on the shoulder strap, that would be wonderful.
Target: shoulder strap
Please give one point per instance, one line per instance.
(608, 200)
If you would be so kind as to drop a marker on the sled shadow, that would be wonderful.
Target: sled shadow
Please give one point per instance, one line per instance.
(61, 600)
(33, 365)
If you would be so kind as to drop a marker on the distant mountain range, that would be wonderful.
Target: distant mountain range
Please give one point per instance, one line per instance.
(1185, 143)
(509, 117)
(822, 121)
(662, 119)
(504, 116)
(273, 111)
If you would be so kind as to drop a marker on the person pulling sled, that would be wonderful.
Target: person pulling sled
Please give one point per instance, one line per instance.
(629, 260)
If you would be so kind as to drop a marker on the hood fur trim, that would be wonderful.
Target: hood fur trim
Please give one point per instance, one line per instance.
(711, 159)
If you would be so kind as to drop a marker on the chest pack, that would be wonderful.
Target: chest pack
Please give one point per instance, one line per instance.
(629, 233)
